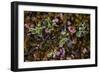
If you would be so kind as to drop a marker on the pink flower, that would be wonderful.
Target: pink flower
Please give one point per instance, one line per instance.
(55, 20)
(27, 26)
(71, 29)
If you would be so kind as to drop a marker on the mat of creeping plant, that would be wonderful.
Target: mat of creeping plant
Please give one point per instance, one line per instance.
(56, 36)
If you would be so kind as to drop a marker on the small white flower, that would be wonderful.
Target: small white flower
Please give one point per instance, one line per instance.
(84, 50)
